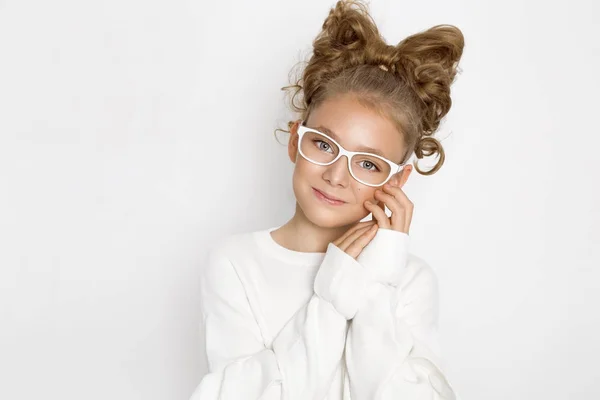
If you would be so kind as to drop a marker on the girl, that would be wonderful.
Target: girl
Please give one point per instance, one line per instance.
(326, 306)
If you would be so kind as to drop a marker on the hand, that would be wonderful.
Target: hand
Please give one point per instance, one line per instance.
(354, 240)
(399, 204)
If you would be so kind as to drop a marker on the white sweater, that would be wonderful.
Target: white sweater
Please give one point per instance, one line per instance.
(282, 324)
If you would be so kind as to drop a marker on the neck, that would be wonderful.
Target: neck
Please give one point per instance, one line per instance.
(300, 234)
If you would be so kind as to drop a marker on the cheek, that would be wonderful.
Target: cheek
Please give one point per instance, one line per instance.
(305, 169)
(304, 174)
(364, 193)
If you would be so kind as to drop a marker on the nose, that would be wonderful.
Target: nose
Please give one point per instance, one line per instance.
(338, 172)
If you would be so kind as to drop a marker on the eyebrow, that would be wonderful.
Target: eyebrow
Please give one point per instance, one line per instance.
(366, 149)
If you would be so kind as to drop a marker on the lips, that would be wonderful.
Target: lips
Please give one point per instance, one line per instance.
(329, 196)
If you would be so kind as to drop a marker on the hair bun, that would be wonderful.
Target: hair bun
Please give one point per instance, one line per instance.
(345, 27)
(429, 60)
(347, 35)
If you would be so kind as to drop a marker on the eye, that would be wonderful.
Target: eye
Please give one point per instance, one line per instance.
(327, 146)
(369, 166)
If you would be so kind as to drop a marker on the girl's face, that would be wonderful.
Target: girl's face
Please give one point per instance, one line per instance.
(354, 127)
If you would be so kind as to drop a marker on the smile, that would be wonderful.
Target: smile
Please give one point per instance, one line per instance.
(326, 199)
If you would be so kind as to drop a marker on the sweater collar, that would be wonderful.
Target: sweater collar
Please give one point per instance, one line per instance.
(267, 243)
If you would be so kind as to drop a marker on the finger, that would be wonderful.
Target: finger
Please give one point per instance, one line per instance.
(399, 194)
(379, 214)
(356, 247)
(351, 230)
(403, 199)
(381, 205)
(395, 189)
(343, 244)
(351, 238)
(397, 209)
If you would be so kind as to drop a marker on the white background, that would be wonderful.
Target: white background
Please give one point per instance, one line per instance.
(136, 134)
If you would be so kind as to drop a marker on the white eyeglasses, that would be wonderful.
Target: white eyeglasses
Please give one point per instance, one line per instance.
(367, 168)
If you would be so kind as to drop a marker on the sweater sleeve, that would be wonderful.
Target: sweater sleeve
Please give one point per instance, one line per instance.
(392, 347)
(303, 357)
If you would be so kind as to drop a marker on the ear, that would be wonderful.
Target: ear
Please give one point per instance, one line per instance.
(400, 178)
(293, 142)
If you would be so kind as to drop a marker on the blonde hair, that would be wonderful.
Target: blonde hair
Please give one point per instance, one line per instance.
(409, 82)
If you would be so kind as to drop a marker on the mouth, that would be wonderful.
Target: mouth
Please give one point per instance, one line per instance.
(329, 200)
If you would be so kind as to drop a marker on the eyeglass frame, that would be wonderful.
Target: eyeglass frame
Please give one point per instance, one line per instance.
(394, 167)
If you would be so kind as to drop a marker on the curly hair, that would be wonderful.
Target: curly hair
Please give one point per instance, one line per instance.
(409, 83)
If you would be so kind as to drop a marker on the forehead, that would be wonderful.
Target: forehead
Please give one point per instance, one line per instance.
(357, 128)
